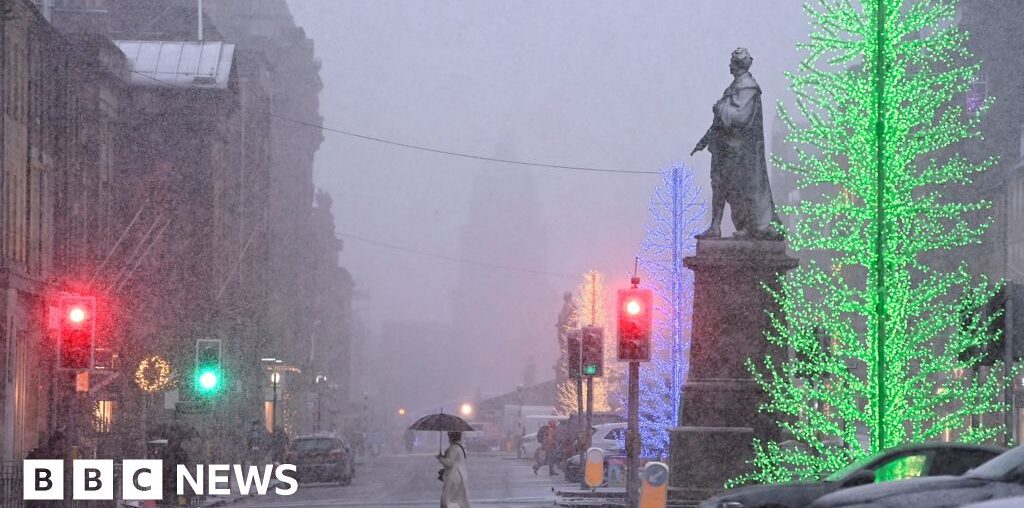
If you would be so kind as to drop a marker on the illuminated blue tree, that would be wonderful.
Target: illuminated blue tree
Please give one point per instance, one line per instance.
(677, 214)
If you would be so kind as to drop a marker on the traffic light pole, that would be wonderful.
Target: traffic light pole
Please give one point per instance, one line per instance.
(633, 442)
(585, 437)
(579, 407)
(1009, 410)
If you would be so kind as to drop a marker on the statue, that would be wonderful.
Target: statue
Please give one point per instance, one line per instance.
(739, 171)
(565, 323)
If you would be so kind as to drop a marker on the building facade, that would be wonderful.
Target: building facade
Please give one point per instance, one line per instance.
(175, 195)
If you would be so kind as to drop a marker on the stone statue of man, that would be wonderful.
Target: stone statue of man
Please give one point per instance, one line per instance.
(739, 171)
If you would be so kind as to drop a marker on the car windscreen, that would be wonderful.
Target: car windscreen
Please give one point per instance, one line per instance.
(999, 467)
(315, 445)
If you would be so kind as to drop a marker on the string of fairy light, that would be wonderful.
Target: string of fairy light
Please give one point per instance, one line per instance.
(875, 345)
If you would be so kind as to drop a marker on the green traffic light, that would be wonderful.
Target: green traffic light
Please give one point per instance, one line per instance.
(590, 369)
(208, 380)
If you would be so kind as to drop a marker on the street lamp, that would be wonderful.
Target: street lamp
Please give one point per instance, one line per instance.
(466, 410)
(319, 393)
(401, 411)
(275, 379)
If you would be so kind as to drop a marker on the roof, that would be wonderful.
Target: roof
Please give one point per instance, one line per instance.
(179, 64)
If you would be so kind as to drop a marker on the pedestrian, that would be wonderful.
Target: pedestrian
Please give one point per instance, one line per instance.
(278, 445)
(255, 443)
(454, 493)
(410, 440)
(174, 455)
(566, 439)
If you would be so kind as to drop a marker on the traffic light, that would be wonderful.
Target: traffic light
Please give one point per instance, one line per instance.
(77, 331)
(635, 315)
(573, 346)
(593, 351)
(209, 374)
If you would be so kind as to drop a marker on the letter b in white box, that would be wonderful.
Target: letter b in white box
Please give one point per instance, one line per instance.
(43, 479)
(92, 479)
(142, 480)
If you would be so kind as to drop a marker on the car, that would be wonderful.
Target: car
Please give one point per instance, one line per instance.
(574, 474)
(610, 437)
(1000, 477)
(321, 458)
(528, 449)
(928, 459)
(1008, 502)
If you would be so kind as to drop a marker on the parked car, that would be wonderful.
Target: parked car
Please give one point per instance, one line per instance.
(610, 437)
(322, 458)
(929, 459)
(1001, 477)
(529, 447)
(574, 473)
(1007, 502)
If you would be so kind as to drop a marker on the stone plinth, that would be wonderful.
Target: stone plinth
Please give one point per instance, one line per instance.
(719, 412)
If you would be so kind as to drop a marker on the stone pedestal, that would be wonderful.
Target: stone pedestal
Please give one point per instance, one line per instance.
(719, 411)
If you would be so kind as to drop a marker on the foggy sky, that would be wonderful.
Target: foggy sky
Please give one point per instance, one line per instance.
(607, 84)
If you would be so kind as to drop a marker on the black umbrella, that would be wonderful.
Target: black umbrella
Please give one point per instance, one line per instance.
(442, 422)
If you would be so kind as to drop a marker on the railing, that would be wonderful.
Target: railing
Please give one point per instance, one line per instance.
(10, 485)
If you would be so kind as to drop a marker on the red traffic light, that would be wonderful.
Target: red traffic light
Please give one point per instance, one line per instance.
(635, 319)
(77, 314)
(77, 336)
(633, 307)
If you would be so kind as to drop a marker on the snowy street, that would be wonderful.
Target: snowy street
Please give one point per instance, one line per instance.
(411, 480)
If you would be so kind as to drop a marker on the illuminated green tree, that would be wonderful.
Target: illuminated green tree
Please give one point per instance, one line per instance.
(879, 338)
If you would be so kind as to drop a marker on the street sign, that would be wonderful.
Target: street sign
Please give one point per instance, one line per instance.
(82, 382)
(654, 490)
(616, 471)
(594, 473)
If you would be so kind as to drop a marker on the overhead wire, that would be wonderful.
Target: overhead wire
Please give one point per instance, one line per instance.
(423, 148)
(456, 259)
(460, 154)
(416, 147)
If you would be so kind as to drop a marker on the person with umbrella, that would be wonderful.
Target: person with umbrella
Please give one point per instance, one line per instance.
(454, 493)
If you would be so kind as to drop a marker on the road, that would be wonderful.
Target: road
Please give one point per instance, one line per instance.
(495, 481)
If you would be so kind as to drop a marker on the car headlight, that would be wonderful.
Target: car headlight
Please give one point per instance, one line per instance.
(730, 504)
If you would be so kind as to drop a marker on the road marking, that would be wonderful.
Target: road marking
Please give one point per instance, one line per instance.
(432, 502)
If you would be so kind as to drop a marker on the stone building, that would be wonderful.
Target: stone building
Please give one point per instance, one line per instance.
(174, 195)
(61, 99)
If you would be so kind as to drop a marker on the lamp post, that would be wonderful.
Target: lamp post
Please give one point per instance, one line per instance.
(320, 380)
(275, 379)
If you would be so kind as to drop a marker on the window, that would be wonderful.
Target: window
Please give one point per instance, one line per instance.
(957, 462)
(902, 467)
(103, 415)
(978, 93)
(616, 435)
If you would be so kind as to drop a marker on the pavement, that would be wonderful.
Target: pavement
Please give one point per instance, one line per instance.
(410, 480)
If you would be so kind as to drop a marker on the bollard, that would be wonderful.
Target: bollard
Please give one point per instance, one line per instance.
(594, 473)
(654, 486)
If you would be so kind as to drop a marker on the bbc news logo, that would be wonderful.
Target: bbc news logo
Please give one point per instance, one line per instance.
(142, 480)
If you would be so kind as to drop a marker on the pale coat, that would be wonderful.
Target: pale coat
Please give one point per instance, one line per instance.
(454, 493)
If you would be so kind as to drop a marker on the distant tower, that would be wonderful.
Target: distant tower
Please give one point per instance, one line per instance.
(502, 316)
